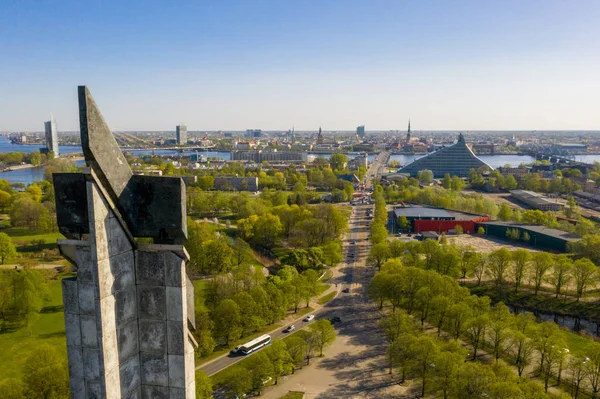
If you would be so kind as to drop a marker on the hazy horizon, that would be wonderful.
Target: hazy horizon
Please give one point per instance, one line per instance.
(475, 66)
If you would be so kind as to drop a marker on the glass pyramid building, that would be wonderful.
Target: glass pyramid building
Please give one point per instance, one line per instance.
(456, 159)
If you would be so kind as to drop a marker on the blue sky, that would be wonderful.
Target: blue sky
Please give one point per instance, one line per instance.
(464, 65)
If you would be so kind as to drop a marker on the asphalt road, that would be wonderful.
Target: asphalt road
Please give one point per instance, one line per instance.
(355, 248)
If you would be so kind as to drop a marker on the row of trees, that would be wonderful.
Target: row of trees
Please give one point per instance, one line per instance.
(502, 267)
(441, 366)
(428, 297)
(280, 358)
(246, 301)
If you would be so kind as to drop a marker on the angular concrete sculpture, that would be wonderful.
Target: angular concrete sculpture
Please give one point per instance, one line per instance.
(129, 311)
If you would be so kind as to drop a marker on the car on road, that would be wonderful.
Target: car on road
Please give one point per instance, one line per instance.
(335, 319)
(309, 317)
(235, 350)
(353, 242)
(289, 329)
(346, 290)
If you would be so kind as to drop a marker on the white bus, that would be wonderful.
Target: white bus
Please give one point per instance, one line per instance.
(255, 344)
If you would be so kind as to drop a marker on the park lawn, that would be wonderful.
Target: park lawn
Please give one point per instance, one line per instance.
(293, 395)
(328, 275)
(326, 298)
(47, 327)
(22, 235)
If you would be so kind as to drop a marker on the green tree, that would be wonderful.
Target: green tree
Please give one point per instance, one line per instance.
(45, 374)
(227, 320)
(7, 248)
(498, 265)
(505, 213)
(560, 273)
(480, 231)
(458, 229)
(204, 388)
(541, 262)
(12, 388)
(338, 161)
(584, 274)
(447, 182)
(447, 366)
(296, 346)
(520, 265)
(522, 344)
(425, 351)
(403, 223)
(475, 330)
(5, 200)
(378, 254)
(324, 334)
(280, 359)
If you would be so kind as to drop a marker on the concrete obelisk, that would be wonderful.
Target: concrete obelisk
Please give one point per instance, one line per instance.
(129, 311)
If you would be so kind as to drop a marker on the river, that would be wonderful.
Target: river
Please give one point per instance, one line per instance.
(574, 323)
(30, 175)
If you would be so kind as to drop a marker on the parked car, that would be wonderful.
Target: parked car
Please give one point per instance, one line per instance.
(353, 242)
(309, 317)
(335, 319)
(346, 290)
(289, 329)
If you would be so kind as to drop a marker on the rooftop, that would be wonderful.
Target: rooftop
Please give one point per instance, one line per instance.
(420, 212)
(538, 229)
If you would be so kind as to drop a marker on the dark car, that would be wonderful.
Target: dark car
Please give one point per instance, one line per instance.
(289, 329)
(346, 290)
(335, 319)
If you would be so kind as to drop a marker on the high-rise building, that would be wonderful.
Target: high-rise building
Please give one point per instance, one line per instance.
(253, 133)
(181, 134)
(360, 131)
(51, 136)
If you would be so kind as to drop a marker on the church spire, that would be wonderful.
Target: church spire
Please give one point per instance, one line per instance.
(409, 125)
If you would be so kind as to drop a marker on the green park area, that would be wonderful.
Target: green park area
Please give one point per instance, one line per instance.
(19, 341)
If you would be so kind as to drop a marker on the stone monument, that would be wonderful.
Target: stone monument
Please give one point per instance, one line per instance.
(130, 310)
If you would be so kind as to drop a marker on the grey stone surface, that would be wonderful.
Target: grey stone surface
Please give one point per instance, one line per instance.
(176, 371)
(155, 207)
(151, 302)
(189, 294)
(175, 304)
(77, 386)
(175, 338)
(91, 363)
(153, 336)
(125, 278)
(136, 394)
(177, 393)
(127, 338)
(87, 298)
(150, 268)
(102, 153)
(73, 329)
(94, 390)
(154, 392)
(71, 204)
(70, 295)
(75, 356)
(126, 305)
(118, 241)
(174, 269)
(89, 331)
(130, 376)
(154, 369)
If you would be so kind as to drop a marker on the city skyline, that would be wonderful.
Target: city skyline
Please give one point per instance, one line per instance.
(448, 66)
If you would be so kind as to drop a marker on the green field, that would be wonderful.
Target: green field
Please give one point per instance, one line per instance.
(46, 327)
(23, 236)
(293, 395)
(326, 298)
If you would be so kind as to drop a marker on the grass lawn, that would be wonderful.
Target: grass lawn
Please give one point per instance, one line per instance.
(293, 395)
(44, 328)
(326, 298)
(23, 236)
(328, 275)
